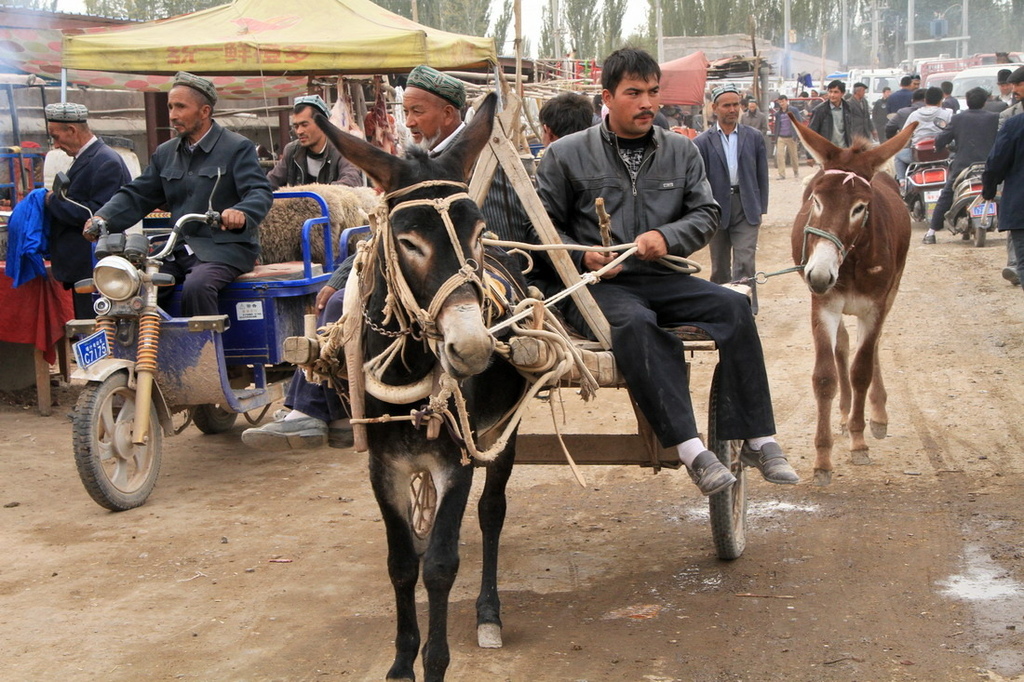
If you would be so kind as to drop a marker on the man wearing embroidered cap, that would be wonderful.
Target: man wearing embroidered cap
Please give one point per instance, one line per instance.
(181, 176)
(736, 163)
(95, 174)
(310, 158)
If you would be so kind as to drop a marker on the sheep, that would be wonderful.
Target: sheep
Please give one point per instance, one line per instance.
(281, 230)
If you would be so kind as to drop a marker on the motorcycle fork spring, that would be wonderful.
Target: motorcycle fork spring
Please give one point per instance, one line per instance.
(149, 342)
(106, 323)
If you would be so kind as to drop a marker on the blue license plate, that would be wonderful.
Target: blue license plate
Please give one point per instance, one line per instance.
(987, 208)
(91, 349)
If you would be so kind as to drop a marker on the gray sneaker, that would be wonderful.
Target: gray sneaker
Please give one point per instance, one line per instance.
(296, 434)
(710, 475)
(1010, 275)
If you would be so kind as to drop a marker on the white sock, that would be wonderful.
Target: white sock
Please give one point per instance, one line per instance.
(756, 443)
(929, 233)
(689, 449)
(295, 414)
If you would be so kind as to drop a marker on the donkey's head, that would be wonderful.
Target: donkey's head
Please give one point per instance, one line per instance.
(836, 211)
(431, 249)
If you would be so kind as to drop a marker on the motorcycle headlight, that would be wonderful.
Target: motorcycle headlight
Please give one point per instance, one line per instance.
(116, 278)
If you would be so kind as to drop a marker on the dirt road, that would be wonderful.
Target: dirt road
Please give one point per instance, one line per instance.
(246, 566)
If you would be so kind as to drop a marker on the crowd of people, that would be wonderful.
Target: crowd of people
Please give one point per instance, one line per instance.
(675, 182)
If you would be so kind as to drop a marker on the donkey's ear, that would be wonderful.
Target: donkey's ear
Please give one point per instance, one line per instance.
(818, 147)
(472, 140)
(883, 152)
(382, 167)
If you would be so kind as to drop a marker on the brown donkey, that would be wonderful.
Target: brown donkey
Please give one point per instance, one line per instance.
(851, 236)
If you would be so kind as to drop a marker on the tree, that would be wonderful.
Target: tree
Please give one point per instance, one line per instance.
(546, 46)
(581, 19)
(501, 26)
(611, 25)
(146, 10)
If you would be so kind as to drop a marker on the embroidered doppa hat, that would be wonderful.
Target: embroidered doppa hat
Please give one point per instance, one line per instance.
(315, 101)
(66, 112)
(444, 86)
(196, 83)
(721, 90)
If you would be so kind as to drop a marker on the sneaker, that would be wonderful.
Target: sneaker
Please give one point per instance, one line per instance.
(1010, 275)
(296, 434)
(279, 415)
(770, 461)
(710, 475)
(929, 239)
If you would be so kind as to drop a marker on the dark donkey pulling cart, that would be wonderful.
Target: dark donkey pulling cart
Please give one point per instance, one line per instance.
(439, 350)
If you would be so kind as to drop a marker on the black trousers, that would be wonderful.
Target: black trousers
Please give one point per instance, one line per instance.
(652, 362)
(201, 283)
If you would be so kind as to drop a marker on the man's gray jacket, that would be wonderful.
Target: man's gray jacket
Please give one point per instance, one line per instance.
(670, 193)
(291, 169)
(183, 181)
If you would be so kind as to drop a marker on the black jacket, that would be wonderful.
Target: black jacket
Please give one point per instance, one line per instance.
(821, 121)
(183, 182)
(95, 175)
(973, 132)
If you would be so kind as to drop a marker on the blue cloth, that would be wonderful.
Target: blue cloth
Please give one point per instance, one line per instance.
(28, 238)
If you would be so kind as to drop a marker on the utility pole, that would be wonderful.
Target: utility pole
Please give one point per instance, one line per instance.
(787, 66)
(658, 32)
(874, 33)
(845, 33)
(556, 25)
(910, 34)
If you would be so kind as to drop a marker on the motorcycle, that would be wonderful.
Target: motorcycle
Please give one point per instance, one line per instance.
(151, 374)
(969, 215)
(926, 176)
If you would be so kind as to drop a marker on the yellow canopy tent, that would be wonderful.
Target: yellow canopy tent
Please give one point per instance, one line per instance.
(264, 37)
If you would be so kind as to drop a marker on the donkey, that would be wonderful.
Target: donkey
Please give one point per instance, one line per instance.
(423, 305)
(851, 236)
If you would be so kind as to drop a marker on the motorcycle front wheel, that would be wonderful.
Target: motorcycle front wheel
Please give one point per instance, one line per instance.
(117, 473)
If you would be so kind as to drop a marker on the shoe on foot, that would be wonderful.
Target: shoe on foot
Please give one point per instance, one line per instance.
(710, 475)
(279, 415)
(295, 434)
(929, 239)
(770, 461)
(1010, 275)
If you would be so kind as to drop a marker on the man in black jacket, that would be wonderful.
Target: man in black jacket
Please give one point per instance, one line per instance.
(95, 174)
(182, 175)
(973, 133)
(654, 186)
(833, 119)
(310, 158)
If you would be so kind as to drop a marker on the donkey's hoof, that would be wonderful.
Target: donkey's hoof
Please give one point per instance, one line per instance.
(879, 429)
(860, 457)
(488, 636)
(822, 477)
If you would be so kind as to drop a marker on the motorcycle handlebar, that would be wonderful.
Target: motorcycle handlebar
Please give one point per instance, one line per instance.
(211, 218)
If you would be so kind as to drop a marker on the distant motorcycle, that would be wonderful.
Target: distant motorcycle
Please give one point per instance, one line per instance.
(970, 215)
(926, 176)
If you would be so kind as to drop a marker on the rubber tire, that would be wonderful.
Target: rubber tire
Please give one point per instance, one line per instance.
(728, 509)
(979, 235)
(917, 210)
(211, 419)
(92, 442)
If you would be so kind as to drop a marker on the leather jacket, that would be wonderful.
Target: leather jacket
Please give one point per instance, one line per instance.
(290, 169)
(670, 193)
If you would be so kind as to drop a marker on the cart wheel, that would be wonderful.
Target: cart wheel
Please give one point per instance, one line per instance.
(979, 235)
(117, 474)
(729, 507)
(917, 213)
(212, 419)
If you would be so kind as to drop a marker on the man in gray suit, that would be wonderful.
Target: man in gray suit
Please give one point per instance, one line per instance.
(736, 163)
(182, 175)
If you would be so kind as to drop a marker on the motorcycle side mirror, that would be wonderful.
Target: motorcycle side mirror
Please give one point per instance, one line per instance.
(60, 185)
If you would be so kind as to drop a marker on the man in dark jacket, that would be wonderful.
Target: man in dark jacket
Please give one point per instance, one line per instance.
(310, 158)
(902, 97)
(182, 175)
(833, 119)
(655, 189)
(860, 114)
(1005, 165)
(95, 174)
(972, 133)
(899, 119)
(736, 164)
(880, 114)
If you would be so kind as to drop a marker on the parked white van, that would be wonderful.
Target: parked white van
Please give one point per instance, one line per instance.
(876, 80)
(978, 77)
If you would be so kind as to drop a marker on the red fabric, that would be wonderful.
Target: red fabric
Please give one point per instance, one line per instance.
(683, 80)
(34, 313)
